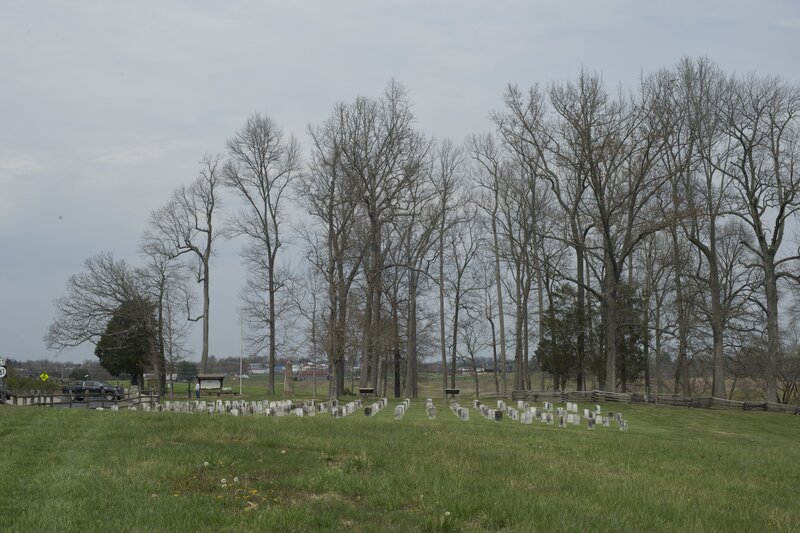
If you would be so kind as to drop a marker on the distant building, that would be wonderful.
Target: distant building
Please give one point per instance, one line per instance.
(258, 368)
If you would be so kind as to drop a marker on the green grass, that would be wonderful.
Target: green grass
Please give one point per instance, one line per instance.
(674, 470)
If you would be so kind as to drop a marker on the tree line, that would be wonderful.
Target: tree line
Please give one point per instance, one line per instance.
(611, 238)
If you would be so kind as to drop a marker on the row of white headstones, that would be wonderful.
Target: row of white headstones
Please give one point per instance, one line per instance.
(524, 412)
(261, 407)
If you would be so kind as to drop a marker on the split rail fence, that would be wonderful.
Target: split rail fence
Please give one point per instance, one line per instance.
(43, 399)
(705, 402)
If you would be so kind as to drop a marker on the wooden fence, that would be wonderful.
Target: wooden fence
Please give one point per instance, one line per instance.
(44, 399)
(705, 402)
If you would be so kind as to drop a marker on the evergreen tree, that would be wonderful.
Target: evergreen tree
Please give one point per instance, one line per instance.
(130, 337)
(557, 351)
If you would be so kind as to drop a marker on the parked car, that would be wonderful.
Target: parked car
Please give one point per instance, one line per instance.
(99, 389)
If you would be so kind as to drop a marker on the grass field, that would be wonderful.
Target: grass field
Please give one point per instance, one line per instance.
(430, 386)
(674, 470)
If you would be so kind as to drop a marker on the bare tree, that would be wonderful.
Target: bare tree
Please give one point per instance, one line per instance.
(260, 170)
(488, 308)
(554, 148)
(380, 151)
(166, 280)
(306, 296)
(489, 172)
(761, 118)
(333, 196)
(655, 256)
(186, 225)
(473, 336)
(449, 160)
(416, 222)
(93, 297)
(620, 150)
(173, 329)
(463, 244)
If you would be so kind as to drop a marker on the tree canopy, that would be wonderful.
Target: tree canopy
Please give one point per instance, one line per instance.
(129, 339)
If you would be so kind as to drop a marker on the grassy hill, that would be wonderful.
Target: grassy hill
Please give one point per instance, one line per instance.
(675, 469)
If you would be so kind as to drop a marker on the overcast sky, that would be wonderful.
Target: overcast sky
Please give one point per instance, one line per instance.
(106, 107)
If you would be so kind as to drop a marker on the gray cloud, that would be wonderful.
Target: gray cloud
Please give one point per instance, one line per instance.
(107, 107)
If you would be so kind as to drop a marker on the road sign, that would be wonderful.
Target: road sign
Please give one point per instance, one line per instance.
(2, 362)
(2, 372)
(43, 376)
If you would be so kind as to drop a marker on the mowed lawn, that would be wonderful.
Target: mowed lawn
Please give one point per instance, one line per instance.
(674, 470)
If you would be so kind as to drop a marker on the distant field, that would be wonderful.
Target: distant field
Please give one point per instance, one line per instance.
(430, 386)
(674, 470)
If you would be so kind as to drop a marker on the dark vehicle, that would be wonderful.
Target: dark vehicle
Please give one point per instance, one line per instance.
(99, 389)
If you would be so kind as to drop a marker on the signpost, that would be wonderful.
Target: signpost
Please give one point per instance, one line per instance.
(2, 381)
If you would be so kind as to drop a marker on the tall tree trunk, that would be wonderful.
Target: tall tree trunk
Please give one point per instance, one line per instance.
(159, 359)
(206, 306)
(659, 381)
(272, 350)
(442, 335)
(314, 350)
(377, 352)
(519, 368)
(366, 351)
(717, 324)
(494, 356)
(581, 314)
(396, 340)
(499, 285)
(610, 318)
(411, 357)
(454, 353)
(527, 373)
(646, 336)
(773, 344)
(341, 329)
(682, 366)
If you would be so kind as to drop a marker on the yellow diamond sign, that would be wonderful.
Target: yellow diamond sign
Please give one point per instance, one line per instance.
(43, 376)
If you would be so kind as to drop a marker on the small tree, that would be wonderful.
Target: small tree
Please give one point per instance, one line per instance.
(558, 341)
(129, 340)
(186, 370)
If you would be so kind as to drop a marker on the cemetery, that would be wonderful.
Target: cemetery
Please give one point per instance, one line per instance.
(373, 463)
(400, 267)
(523, 412)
